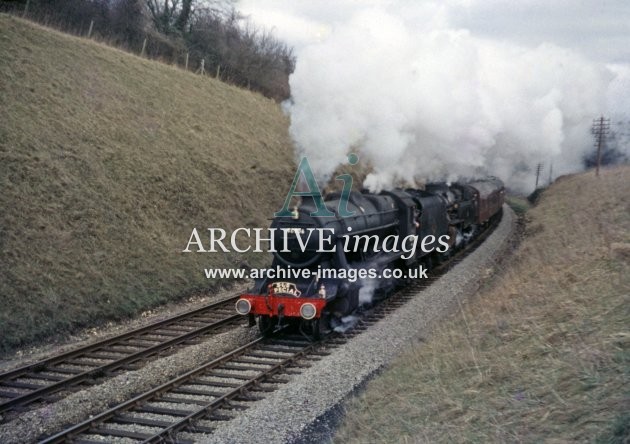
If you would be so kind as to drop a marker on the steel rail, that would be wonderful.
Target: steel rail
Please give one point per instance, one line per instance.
(170, 425)
(31, 371)
(187, 422)
(84, 426)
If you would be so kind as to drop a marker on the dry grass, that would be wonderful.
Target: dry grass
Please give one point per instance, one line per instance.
(543, 352)
(107, 161)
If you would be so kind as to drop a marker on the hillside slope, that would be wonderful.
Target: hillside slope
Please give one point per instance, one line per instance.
(107, 161)
(542, 354)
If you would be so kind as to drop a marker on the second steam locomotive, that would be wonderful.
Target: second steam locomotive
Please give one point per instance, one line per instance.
(332, 265)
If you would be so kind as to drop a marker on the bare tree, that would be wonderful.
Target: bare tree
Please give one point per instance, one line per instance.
(184, 15)
(170, 16)
(246, 55)
(209, 30)
(128, 22)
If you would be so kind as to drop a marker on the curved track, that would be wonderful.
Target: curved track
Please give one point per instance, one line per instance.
(181, 409)
(194, 402)
(191, 404)
(38, 381)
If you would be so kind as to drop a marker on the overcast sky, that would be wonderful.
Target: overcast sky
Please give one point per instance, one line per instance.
(599, 29)
(451, 86)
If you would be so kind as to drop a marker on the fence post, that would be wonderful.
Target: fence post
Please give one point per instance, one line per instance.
(28, 2)
(144, 46)
(218, 72)
(186, 64)
(90, 30)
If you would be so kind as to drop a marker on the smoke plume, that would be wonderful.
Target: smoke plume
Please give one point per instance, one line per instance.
(420, 100)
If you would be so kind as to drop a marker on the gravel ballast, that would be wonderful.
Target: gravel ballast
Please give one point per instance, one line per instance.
(77, 407)
(56, 346)
(288, 413)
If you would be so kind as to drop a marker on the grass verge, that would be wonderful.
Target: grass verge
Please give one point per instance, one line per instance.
(541, 354)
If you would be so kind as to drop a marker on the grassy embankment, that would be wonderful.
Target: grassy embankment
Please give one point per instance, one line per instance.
(107, 161)
(542, 354)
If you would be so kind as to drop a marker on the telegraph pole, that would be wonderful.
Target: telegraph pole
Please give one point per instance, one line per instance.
(539, 168)
(600, 129)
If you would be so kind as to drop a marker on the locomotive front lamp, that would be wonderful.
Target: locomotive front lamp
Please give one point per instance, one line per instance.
(308, 311)
(243, 306)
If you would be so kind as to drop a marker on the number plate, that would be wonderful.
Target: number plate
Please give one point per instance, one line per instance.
(287, 288)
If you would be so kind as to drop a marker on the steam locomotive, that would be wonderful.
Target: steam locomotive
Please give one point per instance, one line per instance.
(327, 267)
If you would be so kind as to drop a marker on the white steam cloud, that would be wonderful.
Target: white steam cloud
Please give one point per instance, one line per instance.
(420, 100)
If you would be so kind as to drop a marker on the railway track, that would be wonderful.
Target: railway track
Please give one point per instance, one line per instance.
(43, 380)
(192, 404)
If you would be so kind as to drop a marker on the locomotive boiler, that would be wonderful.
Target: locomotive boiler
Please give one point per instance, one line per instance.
(330, 266)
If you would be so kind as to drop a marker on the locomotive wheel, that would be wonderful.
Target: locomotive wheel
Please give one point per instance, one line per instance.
(314, 329)
(266, 325)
